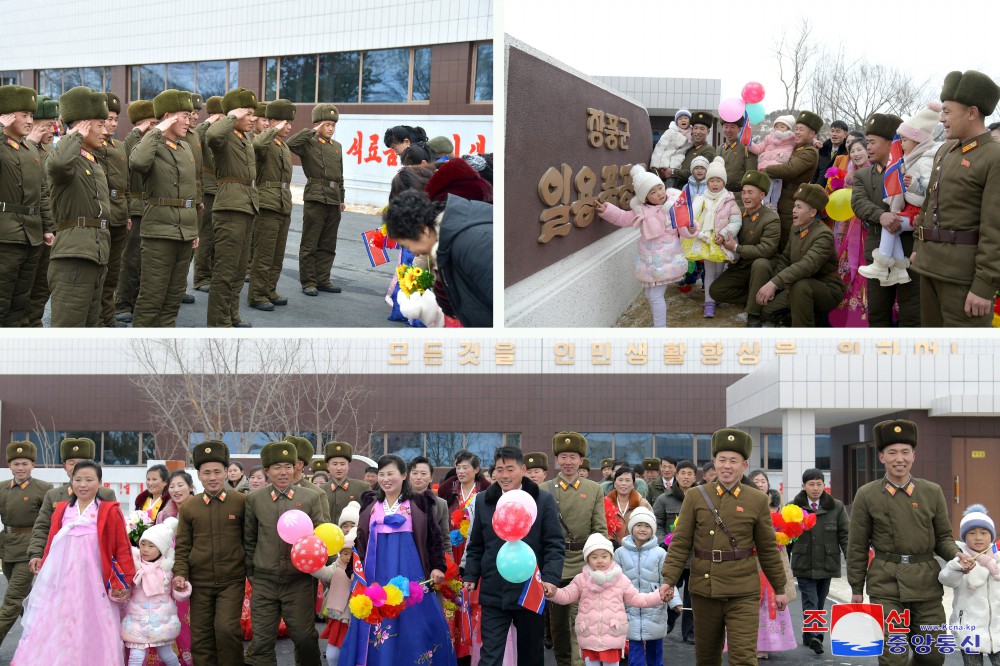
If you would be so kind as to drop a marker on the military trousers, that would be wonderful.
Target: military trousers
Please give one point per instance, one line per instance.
(295, 602)
(270, 233)
(39, 290)
(76, 286)
(942, 304)
(318, 247)
(127, 289)
(216, 634)
(739, 284)
(119, 235)
(563, 620)
(233, 232)
(806, 298)
(921, 612)
(882, 299)
(19, 581)
(19, 263)
(733, 620)
(164, 279)
(205, 254)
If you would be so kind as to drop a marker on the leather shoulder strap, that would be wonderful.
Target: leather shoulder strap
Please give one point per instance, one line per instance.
(718, 518)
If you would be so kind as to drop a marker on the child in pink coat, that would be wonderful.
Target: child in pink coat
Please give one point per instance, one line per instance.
(338, 575)
(777, 148)
(603, 591)
(659, 260)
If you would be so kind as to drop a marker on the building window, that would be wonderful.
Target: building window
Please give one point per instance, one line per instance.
(151, 81)
(863, 466)
(484, 445)
(54, 82)
(678, 445)
(406, 445)
(180, 76)
(704, 450)
(236, 442)
(482, 77)
(421, 75)
(111, 448)
(10, 78)
(773, 451)
(297, 82)
(211, 80)
(823, 452)
(600, 445)
(339, 77)
(213, 77)
(384, 77)
(633, 447)
(234, 74)
(512, 439)
(442, 447)
(271, 79)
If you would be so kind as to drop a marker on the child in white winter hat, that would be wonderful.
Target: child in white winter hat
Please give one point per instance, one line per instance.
(672, 146)
(698, 180)
(776, 148)
(338, 576)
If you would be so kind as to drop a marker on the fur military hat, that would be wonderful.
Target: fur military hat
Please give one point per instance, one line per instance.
(731, 439)
(17, 98)
(536, 461)
(196, 101)
(303, 446)
(814, 195)
(48, 109)
(24, 449)
(239, 98)
(213, 105)
(261, 111)
(171, 101)
(82, 103)
(140, 110)
(738, 123)
(211, 450)
(810, 120)
(651, 464)
(114, 103)
(606, 463)
(883, 125)
(585, 464)
(278, 452)
(338, 450)
(758, 179)
(441, 146)
(323, 112)
(702, 118)
(971, 89)
(317, 466)
(77, 448)
(569, 442)
(280, 109)
(897, 431)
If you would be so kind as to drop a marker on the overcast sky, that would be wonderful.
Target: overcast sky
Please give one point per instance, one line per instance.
(696, 39)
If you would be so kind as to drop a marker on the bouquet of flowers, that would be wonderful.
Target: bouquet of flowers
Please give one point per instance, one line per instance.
(413, 279)
(376, 603)
(611, 516)
(450, 589)
(670, 532)
(791, 522)
(136, 523)
(381, 240)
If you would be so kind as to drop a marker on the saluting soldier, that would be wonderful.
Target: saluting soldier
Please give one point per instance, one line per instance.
(20, 503)
(270, 229)
(738, 158)
(279, 589)
(42, 132)
(905, 521)
(306, 451)
(204, 255)
(236, 204)
(81, 208)
(537, 466)
(193, 140)
(140, 114)
(71, 451)
(209, 554)
(701, 125)
(260, 124)
(580, 504)
(727, 524)
(957, 252)
(341, 490)
(799, 169)
(323, 163)
(112, 157)
(24, 225)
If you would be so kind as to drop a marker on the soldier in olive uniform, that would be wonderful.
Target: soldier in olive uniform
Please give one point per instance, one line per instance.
(209, 554)
(725, 585)
(204, 256)
(270, 229)
(738, 158)
(279, 589)
(260, 124)
(71, 451)
(24, 224)
(81, 208)
(170, 219)
(341, 490)
(42, 132)
(957, 252)
(606, 468)
(317, 466)
(905, 521)
(650, 471)
(701, 126)
(806, 272)
(799, 169)
(537, 466)
(193, 140)
(323, 163)
(580, 503)
(306, 451)
(115, 163)
(235, 206)
(140, 114)
(20, 502)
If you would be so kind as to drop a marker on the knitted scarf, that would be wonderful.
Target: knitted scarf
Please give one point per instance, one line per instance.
(710, 205)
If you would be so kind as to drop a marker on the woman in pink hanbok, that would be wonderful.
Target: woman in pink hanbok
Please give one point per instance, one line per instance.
(849, 239)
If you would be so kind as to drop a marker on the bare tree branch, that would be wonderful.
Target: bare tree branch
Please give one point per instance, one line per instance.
(794, 54)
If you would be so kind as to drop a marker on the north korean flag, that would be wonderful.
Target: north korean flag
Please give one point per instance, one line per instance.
(893, 183)
(359, 583)
(746, 135)
(533, 595)
(682, 212)
(377, 255)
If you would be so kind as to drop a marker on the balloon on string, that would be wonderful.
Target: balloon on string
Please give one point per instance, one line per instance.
(753, 93)
(511, 521)
(293, 525)
(309, 554)
(755, 113)
(516, 561)
(332, 536)
(839, 206)
(519, 497)
(732, 109)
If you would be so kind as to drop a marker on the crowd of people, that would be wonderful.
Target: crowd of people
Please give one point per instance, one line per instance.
(107, 230)
(765, 228)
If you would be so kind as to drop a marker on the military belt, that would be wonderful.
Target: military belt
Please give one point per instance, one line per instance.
(273, 183)
(939, 235)
(574, 546)
(14, 208)
(905, 559)
(17, 530)
(138, 195)
(324, 183)
(116, 194)
(725, 555)
(240, 181)
(176, 203)
(91, 222)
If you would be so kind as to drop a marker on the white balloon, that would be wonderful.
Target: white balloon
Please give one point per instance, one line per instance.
(520, 497)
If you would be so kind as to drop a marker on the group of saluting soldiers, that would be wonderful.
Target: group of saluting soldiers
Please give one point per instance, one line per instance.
(107, 229)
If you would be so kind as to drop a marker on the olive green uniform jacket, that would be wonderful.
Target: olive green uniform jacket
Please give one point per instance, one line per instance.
(234, 158)
(136, 194)
(340, 496)
(267, 556)
(208, 183)
(684, 172)
(20, 505)
(799, 168)
(79, 188)
(23, 183)
(115, 162)
(324, 506)
(40, 530)
(193, 141)
(274, 172)
(323, 163)
(581, 507)
(808, 254)
(739, 160)
(168, 172)
(209, 548)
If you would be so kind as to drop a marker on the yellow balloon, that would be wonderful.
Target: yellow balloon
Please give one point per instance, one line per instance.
(332, 536)
(839, 206)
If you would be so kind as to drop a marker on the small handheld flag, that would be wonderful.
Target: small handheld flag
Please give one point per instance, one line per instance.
(893, 182)
(746, 135)
(377, 255)
(533, 595)
(682, 212)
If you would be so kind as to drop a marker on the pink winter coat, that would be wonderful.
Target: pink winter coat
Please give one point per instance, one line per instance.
(659, 259)
(601, 622)
(150, 618)
(339, 595)
(773, 151)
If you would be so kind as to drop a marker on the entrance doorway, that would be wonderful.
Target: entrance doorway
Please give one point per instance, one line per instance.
(974, 462)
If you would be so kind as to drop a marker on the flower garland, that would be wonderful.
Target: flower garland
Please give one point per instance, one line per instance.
(413, 279)
(137, 523)
(451, 592)
(791, 522)
(376, 603)
(460, 521)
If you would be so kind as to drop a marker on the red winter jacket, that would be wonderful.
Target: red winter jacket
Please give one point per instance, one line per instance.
(117, 567)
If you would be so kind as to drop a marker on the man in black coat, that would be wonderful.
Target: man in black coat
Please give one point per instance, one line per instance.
(498, 597)
(832, 148)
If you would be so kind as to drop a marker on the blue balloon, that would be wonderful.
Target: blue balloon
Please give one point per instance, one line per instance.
(756, 113)
(516, 561)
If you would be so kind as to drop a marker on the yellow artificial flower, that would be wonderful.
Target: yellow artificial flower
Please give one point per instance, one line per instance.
(361, 606)
(401, 270)
(464, 528)
(407, 283)
(782, 539)
(393, 595)
(417, 271)
(791, 513)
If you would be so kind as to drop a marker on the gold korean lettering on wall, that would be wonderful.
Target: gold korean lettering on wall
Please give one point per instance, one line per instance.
(562, 212)
(603, 130)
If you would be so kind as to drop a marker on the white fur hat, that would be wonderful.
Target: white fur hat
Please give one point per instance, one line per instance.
(717, 169)
(789, 121)
(921, 124)
(162, 536)
(643, 181)
(642, 515)
(700, 161)
(597, 541)
(351, 513)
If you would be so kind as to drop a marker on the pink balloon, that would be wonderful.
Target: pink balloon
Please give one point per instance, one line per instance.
(293, 525)
(732, 109)
(309, 553)
(753, 93)
(519, 497)
(511, 521)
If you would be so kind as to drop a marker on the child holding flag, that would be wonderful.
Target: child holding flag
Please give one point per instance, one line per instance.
(659, 260)
(338, 615)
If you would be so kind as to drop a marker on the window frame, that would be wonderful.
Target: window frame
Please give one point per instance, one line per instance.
(135, 71)
(472, 79)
